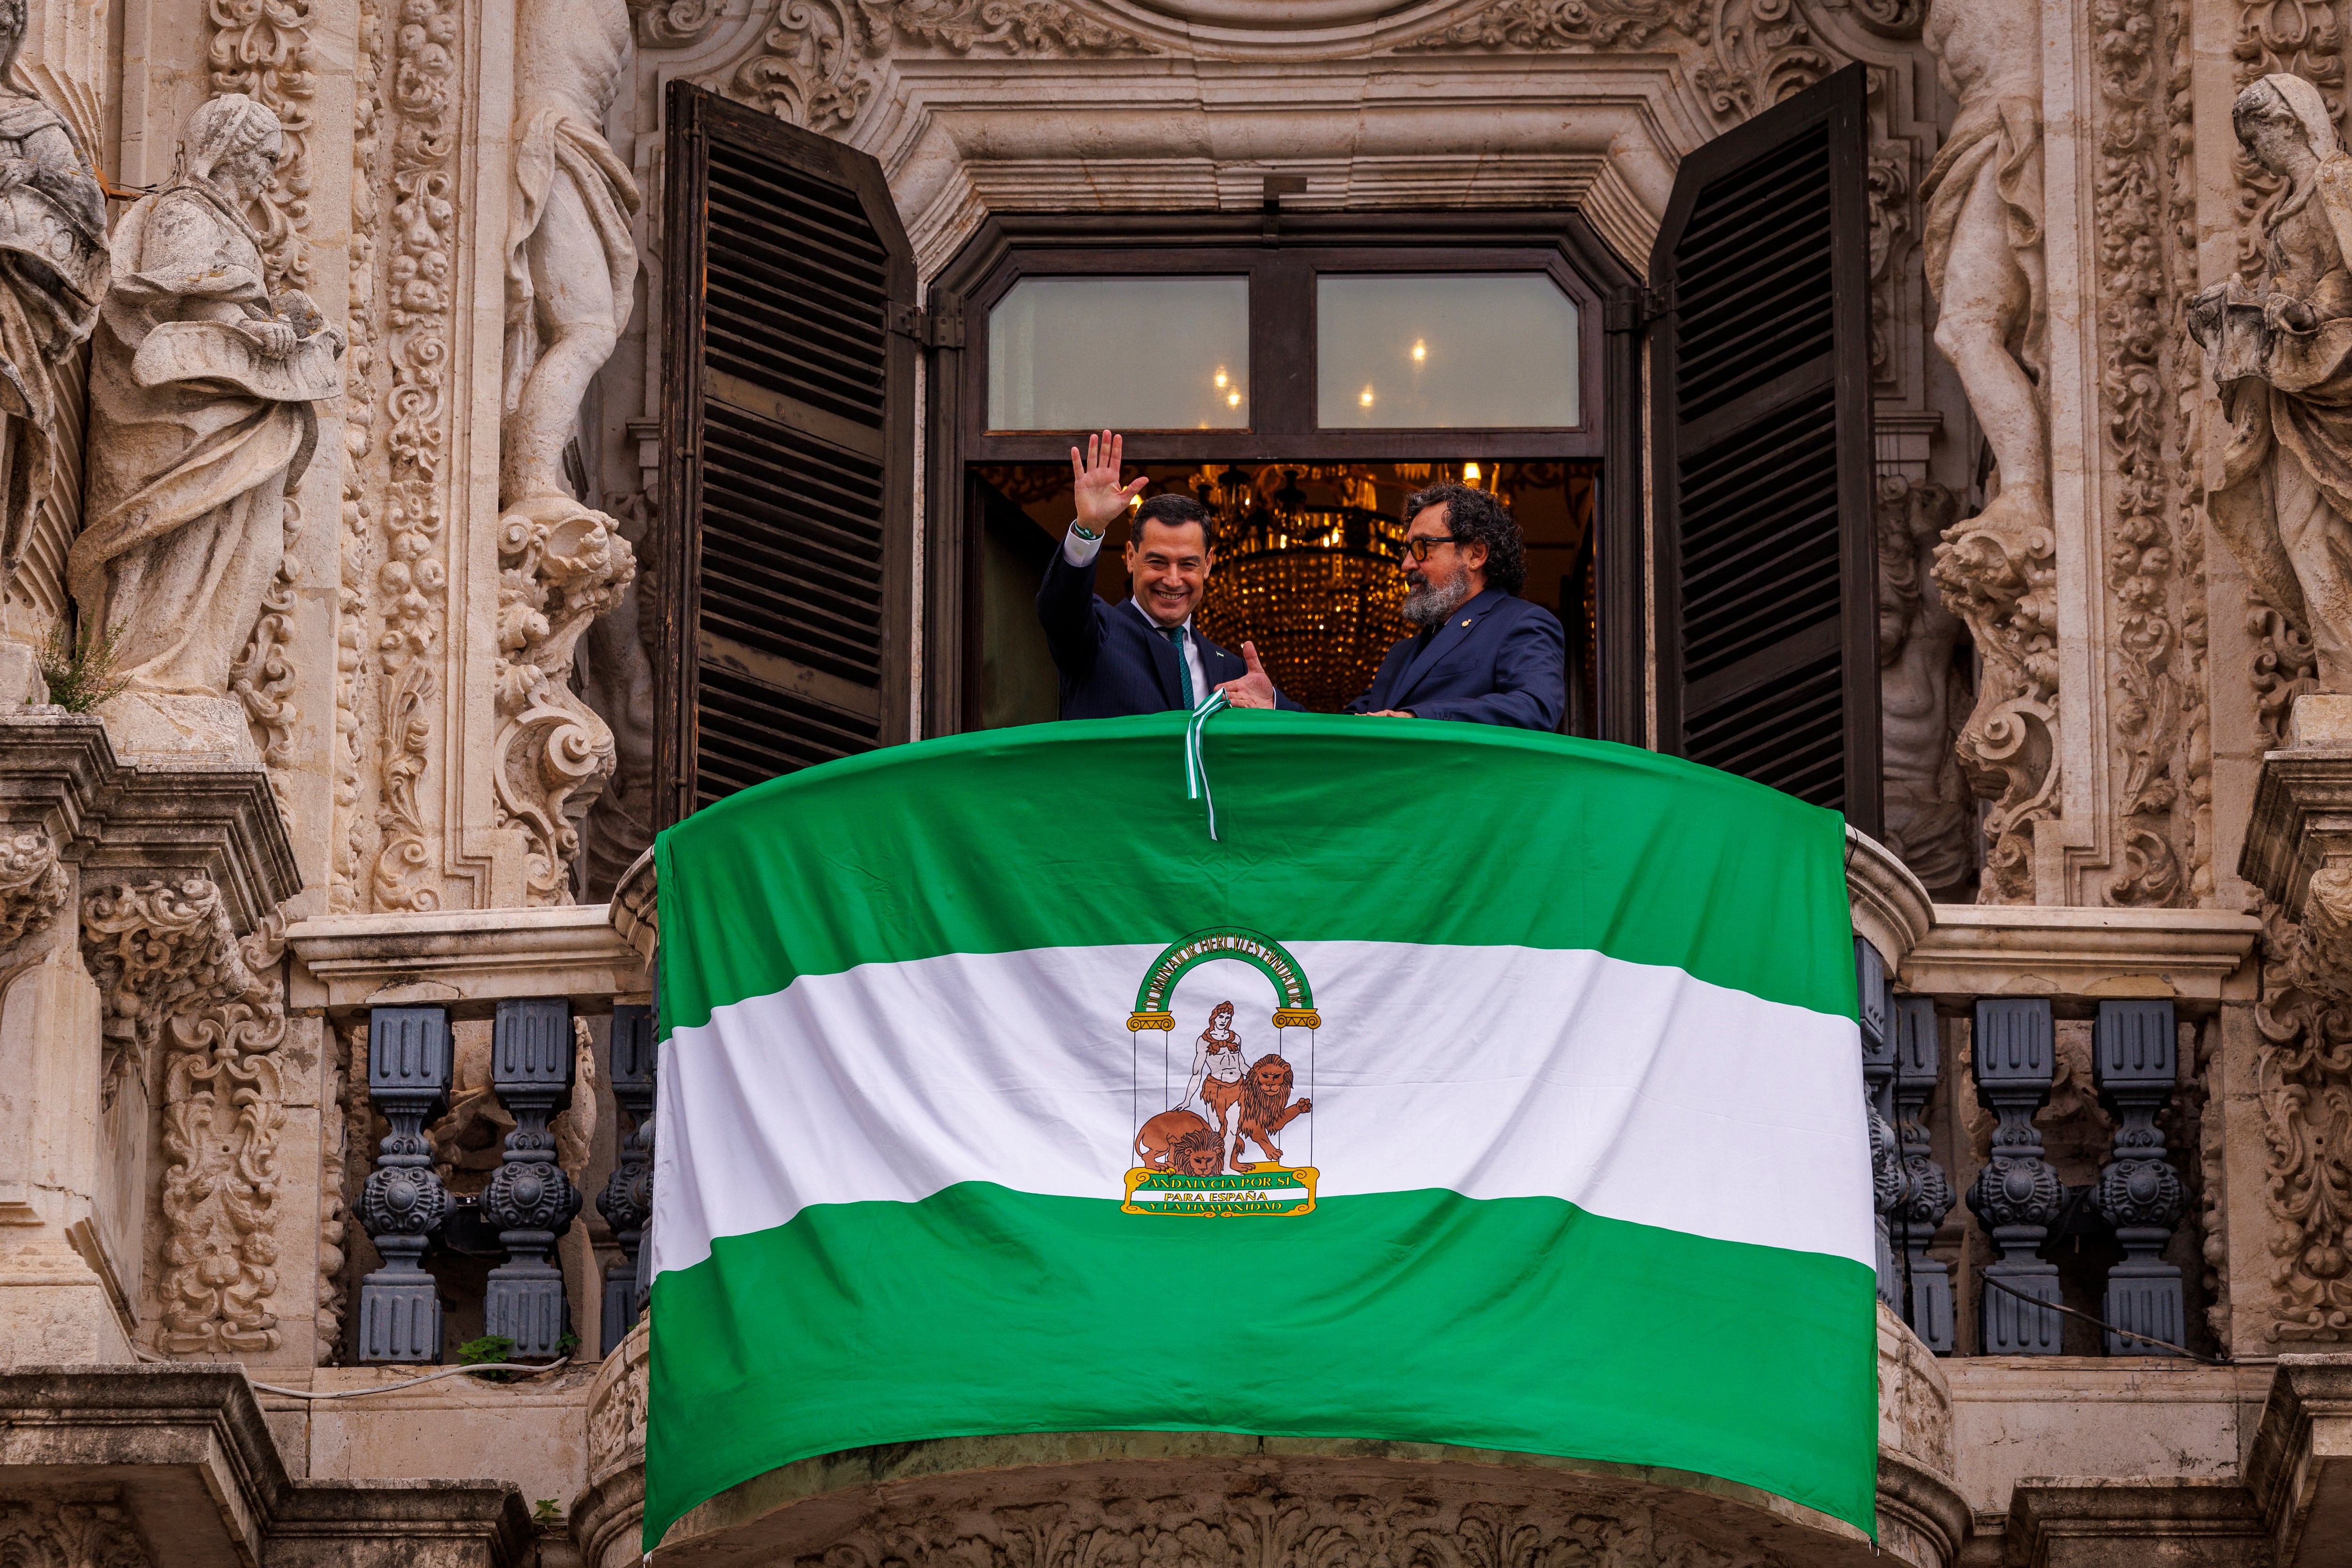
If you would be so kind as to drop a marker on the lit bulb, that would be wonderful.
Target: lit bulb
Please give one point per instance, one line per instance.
(1365, 397)
(1420, 351)
(1221, 377)
(1135, 501)
(1470, 475)
(1233, 399)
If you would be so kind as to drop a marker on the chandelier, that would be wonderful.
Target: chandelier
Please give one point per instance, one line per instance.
(1316, 585)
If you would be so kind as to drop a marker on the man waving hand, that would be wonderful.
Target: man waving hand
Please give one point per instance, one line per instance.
(1141, 656)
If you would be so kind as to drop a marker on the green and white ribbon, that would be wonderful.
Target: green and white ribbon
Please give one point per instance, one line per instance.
(1196, 770)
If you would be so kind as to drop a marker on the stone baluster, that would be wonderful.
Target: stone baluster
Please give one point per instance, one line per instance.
(529, 1199)
(2139, 1192)
(1926, 1190)
(2017, 1194)
(404, 1201)
(627, 1199)
(1879, 1081)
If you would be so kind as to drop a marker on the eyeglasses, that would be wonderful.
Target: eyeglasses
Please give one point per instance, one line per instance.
(1418, 546)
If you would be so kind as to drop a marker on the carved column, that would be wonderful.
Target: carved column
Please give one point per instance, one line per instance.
(530, 1200)
(2139, 1192)
(1878, 1077)
(2017, 1194)
(627, 1199)
(402, 1206)
(1926, 1190)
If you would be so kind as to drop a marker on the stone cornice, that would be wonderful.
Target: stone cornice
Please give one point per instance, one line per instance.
(177, 1437)
(2027, 949)
(457, 958)
(1892, 910)
(2135, 1518)
(2299, 1467)
(140, 821)
(176, 1424)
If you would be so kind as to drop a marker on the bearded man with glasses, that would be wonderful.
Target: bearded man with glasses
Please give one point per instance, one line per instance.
(1482, 653)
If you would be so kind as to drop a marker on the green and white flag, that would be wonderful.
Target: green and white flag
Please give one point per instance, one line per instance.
(1472, 1086)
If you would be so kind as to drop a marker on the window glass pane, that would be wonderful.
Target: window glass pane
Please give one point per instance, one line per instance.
(1438, 351)
(1129, 353)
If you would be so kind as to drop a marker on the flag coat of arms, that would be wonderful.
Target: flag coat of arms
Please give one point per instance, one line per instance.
(1471, 1087)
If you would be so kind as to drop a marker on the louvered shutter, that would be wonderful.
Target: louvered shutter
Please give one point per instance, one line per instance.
(788, 424)
(1760, 366)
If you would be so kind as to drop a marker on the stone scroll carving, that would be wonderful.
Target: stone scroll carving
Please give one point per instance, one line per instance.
(1385, 1522)
(175, 977)
(71, 1531)
(2279, 354)
(53, 268)
(202, 393)
(2304, 1080)
(32, 885)
(571, 272)
(1985, 266)
(818, 60)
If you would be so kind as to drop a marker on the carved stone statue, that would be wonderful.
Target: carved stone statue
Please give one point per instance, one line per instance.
(571, 271)
(202, 421)
(571, 267)
(1983, 204)
(1930, 810)
(52, 272)
(2282, 357)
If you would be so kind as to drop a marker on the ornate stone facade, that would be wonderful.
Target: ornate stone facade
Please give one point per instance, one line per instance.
(2084, 666)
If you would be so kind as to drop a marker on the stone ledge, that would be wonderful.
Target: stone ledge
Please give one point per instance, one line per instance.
(2092, 1522)
(845, 1505)
(141, 821)
(2299, 1468)
(186, 1449)
(458, 958)
(2026, 950)
(634, 913)
(1891, 908)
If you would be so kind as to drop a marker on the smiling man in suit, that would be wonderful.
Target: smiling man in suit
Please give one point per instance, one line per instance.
(1140, 655)
(1482, 653)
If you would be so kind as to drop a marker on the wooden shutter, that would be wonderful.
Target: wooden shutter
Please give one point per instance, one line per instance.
(787, 457)
(1760, 366)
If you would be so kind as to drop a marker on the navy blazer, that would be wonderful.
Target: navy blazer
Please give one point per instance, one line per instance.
(1113, 658)
(1497, 660)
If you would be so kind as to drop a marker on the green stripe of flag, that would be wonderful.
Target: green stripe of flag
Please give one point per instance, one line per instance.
(1547, 1331)
(1330, 827)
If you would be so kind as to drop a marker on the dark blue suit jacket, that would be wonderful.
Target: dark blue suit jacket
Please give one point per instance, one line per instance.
(1497, 659)
(1114, 659)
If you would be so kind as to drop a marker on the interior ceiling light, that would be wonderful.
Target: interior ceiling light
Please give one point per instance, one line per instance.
(1314, 585)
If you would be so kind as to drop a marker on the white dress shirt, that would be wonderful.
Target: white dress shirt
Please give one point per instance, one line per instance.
(1081, 552)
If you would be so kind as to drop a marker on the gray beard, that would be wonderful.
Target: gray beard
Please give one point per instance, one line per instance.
(1429, 603)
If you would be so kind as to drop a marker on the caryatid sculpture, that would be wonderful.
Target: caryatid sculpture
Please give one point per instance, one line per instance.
(1983, 240)
(2281, 355)
(201, 419)
(52, 273)
(571, 273)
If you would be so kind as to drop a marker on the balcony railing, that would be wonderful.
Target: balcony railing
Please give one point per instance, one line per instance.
(518, 1217)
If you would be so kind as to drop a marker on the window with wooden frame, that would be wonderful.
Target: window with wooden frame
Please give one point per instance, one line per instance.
(1767, 576)
(1307, 371)
(783, 561)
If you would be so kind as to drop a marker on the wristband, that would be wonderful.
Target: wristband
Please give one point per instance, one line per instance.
(1083, 532)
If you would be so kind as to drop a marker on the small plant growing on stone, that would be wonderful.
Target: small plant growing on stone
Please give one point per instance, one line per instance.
(80, 672)
(543, 1512)
(488, 1350)
(567, 1344)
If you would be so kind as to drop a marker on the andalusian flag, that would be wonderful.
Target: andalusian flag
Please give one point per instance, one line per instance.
(1471, 1087)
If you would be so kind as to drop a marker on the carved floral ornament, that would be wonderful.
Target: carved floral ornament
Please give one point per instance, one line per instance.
(175, 976)
(816, 63)
(1223, 1527)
